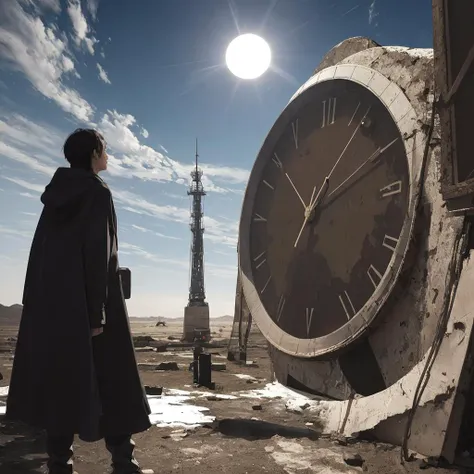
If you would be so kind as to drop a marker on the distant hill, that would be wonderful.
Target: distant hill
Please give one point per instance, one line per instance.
(145, 319)
(10, 315)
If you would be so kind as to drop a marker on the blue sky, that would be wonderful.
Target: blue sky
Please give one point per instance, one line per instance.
(151, 76)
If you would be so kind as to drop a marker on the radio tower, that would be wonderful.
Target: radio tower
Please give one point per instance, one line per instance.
(196, 313)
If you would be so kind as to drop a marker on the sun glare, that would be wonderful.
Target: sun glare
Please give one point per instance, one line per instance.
(248, 56)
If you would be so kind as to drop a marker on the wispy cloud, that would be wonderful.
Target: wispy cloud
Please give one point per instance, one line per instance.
(40, 52)
(216, 231)
(19, 156)
(53, 5)
(145, 133)
(82, 33)
(103, 75)
(5, 230)
(372, 13)
(158, 234)
(92, 6)
(25, 184)
(218, 270)
(134, 159)
(351, 10)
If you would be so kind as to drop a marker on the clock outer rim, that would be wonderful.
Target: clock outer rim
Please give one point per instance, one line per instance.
(405, 117)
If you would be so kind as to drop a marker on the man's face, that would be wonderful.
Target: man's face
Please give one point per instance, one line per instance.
(101, 162)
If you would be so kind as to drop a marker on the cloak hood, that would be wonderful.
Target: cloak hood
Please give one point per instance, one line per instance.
(69, 188)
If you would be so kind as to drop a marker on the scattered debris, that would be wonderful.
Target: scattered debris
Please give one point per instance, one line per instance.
(167, 366)
(296, 406)
(153, 390)
(253, 429)
(354, 460)
(218, 367)
(145, 349)
(142, 341)
(257, 407)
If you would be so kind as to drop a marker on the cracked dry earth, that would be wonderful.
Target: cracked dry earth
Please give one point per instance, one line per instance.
(242, 427)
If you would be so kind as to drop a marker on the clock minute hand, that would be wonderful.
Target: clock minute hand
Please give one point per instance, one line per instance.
(371, 158)
(348, 143)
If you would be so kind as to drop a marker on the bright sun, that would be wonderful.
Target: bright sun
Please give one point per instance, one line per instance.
(248, 56)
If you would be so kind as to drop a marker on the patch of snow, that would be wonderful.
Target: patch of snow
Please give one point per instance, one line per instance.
(274, 390)
(244, 376)
(169, 410)
(172, 411)
(292, 456)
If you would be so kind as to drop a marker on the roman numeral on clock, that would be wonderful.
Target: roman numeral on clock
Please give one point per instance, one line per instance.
(374, 275)
(347, 305)
(269, 185)
(391, 189)
(294, 126)
(329, 111)
(390, 242)
(277, 161)
(266, 284)
(309, 319)
(259, 218)
(260, 260)
(281, 305)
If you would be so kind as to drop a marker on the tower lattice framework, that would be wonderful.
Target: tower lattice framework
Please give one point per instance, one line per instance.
(197, 295)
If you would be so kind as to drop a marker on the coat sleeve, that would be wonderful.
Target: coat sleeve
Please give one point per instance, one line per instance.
(96, 254)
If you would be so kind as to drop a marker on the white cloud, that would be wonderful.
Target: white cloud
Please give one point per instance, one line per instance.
(41, 54)
(158, 234)
(164, 149)
(144, 162)
(103, 75)
(216, 231)
(126, 247)
(92, 6)
(25, 184)
(17, 132)
(19, 156)
(80, 26)
(20, 131)
(145, 133)
(372, 13)
(15, 232)
(50, 4)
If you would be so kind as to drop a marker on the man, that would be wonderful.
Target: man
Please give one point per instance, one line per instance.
(75, 370)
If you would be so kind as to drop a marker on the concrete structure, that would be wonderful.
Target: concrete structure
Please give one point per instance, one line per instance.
(196, 313)
(423, 330)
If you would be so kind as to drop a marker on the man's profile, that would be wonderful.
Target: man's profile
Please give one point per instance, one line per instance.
(74, 369)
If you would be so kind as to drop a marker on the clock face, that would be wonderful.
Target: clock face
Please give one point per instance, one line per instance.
(331, 192)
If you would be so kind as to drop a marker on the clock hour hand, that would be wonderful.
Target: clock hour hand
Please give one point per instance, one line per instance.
(371, 159)
(309, 211)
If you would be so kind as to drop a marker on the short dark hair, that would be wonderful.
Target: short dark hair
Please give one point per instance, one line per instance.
(80, 145)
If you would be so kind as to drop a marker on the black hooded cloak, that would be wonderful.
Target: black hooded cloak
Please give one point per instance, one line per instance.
(63, 380)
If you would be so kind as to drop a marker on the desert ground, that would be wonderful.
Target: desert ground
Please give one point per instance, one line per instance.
(244, 426)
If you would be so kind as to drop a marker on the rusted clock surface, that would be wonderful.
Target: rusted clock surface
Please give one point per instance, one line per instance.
(324, 213)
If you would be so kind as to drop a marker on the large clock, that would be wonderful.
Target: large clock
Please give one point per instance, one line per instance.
(328, 210)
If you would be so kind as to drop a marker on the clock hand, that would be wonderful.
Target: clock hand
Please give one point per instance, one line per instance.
(371, 159)
(309, 211)
(296, 191)
(325, 185)
(348, 143)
